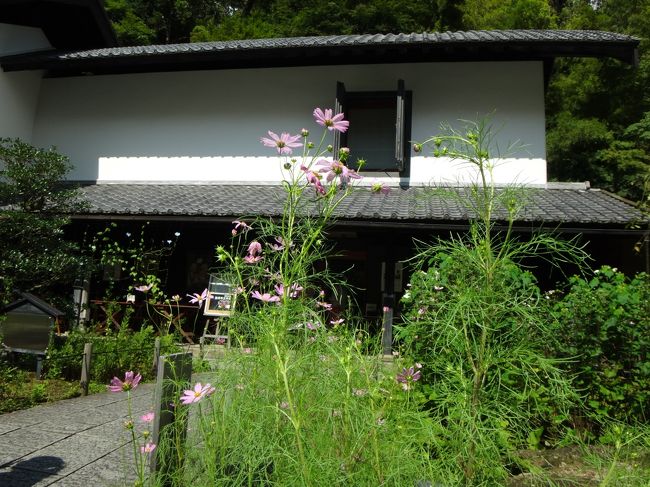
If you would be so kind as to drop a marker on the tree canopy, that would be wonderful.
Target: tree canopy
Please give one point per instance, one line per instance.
(598, 111)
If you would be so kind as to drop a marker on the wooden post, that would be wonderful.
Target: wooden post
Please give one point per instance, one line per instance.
(156, 354)
(174, 372)
(39, 366)
(85, 368)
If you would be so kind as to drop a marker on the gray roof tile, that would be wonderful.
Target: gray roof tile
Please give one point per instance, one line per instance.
(417, 204)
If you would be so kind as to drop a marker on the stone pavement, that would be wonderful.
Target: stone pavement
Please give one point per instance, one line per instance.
(75, 442)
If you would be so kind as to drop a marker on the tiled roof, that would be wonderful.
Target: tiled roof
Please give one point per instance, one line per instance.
(341, 49)
(562, 205)
(482, 36)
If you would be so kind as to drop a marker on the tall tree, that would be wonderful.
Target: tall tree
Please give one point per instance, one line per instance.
(508, 14)
(167, 21)
(599, 110)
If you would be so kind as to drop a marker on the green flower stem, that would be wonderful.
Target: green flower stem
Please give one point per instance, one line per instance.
(373, 431)
(139, 463)
(294, 416)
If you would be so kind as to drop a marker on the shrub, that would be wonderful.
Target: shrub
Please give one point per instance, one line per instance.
(604, 325)
(112, 353)
(34, 209)
(476, 321)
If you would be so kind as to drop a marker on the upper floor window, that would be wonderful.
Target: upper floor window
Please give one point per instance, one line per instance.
(380, 128)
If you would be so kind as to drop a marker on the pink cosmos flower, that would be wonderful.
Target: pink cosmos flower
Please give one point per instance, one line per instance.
(197, 393)
(407, 377)
(266, 297)
(147, 418)
(254, 248)
(324, 305)
(312, 326)
(143, 288)
(337, 322)
(294, 289)
(279, 245)
(313, 178)
(325, 119)
(284, 143)
(240, 226)
(130, 382)
(198, 298)
(252, 259)
(335, 169)
(379, 188)
(148, 447)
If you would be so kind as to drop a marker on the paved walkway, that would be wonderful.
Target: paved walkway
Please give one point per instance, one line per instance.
(76, 442)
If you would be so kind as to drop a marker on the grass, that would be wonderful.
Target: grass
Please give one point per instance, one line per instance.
(625, 462)
(21, 390)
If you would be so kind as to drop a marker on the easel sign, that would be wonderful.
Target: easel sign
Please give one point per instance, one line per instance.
(221, 298)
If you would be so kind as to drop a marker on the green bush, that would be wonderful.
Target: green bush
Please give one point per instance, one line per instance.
(10, 377)
(475, 320)
(604, 326)
(480, 337)
(112, 353)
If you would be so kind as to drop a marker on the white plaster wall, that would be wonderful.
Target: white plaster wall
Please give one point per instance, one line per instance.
(19, 90)
(206, 125)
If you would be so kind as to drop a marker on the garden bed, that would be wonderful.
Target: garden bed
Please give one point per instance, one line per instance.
(587, 466)
(21, 390)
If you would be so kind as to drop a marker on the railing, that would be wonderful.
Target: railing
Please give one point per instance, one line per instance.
(110, 315)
